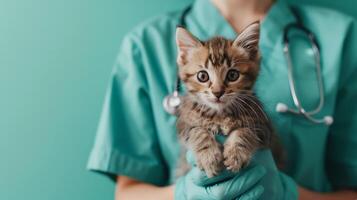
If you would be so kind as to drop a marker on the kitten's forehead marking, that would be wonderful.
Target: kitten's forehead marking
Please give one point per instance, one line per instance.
(217, 52)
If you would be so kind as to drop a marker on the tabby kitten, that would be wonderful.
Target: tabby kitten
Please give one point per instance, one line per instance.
(219, 75)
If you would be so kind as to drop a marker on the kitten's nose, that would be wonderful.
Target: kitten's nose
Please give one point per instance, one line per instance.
(218, 94)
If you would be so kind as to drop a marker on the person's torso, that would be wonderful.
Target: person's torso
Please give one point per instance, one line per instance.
(304, 141)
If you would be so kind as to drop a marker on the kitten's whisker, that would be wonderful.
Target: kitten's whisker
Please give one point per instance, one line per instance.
(246, 114)
(249, 114)
(258, 115)
(253, 100)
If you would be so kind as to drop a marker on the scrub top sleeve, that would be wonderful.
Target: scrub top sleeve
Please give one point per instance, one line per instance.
(342, 141)
(126, 141)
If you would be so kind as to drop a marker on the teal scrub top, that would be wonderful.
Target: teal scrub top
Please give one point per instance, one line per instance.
(137, 138)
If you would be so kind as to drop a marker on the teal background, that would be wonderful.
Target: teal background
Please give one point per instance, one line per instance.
(55, 61)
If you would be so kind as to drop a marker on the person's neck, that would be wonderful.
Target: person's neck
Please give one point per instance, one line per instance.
(241, 13)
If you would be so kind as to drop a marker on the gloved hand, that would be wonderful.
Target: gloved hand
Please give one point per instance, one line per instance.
(225, 187)
(260, 180)
(276, 184)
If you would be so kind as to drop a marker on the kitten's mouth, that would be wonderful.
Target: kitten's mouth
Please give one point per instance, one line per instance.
(217, 101)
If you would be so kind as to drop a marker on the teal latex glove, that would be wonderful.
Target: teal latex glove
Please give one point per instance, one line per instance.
(276, 184)
(241, 186)
(260, 180)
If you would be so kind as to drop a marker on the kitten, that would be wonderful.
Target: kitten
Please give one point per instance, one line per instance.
(219, 75)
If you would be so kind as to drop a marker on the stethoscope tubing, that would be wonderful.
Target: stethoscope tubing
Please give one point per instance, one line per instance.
(296, 100)
(316, 52)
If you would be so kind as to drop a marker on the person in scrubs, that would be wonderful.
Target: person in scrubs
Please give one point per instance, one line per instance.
(136, 143)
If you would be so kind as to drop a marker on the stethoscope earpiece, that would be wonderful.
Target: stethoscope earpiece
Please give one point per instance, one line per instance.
(328, 120)
(281, 108)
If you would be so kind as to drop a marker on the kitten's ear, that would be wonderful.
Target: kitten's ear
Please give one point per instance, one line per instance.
(186, 43)
(249, 39)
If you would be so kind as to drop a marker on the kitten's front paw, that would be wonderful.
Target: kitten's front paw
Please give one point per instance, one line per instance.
(210, 160)
(235, 157)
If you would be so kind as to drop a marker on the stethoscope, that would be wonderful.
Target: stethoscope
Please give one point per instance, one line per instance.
(172, 101)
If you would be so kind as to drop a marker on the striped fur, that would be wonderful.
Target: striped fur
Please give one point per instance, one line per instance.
(237, 113)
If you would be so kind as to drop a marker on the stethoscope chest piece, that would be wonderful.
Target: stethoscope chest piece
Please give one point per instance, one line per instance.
(172, 102)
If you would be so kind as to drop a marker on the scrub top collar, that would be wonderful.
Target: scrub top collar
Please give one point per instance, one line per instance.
(205, 21)
(272, 27)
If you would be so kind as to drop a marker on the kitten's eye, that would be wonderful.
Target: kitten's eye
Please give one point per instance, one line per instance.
(202, 76)
(232, 75)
